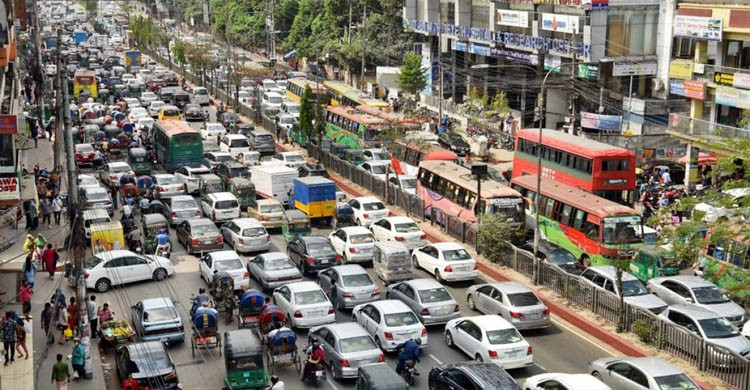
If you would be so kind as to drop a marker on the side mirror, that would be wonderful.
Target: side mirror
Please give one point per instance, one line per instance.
(689, 300)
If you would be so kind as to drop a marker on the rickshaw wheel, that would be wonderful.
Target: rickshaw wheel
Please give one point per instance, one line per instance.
(297, 362)
(270, 361)
(192, 345)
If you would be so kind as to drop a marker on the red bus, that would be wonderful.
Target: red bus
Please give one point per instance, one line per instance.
(604, 170)
(405, 157)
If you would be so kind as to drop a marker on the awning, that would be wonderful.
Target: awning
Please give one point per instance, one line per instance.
(289, 55)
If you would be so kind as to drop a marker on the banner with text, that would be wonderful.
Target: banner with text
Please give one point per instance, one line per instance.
(688, 88)
(591, 120)
(695, 27)
(733, 97)
(510, 18)
(560, 23)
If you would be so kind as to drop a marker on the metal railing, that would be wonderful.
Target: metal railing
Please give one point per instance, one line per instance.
(682, 124)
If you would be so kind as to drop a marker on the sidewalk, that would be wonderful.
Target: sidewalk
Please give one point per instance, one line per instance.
(19, 374)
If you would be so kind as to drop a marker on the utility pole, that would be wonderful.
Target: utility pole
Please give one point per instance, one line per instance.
(38, 46)
(349, 38)
(440, 65)
(59, 114)
(364, 38)
(271, 50)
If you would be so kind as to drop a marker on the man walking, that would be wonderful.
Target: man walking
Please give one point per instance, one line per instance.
(60, 373)
(93, 319)
(46, 212)
(9, 327)
(57, 206)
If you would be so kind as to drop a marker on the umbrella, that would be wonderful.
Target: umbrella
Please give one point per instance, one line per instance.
(703, 158)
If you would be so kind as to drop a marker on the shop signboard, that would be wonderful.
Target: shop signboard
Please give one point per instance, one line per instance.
(681, 69)
(688, 88)
(741, 80)
(733, 97)
(9, 186)
(560, 23)
(510, 18)
(644, 68)
(696, 27)
(722, 78)
(590, 120)
(8, 124)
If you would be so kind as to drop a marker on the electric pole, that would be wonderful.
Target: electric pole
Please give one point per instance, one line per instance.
(59, 114)
(40, 87)
(364, 38)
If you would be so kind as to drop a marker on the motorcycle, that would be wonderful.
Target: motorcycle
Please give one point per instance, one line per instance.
(409, 372)
(163, 252)
(135, 246)
(316, 376)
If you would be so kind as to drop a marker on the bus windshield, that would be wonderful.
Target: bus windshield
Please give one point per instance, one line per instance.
(621, 230)
(511, 208)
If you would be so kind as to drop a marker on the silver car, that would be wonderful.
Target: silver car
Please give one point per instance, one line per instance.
(354, 285)
(686, 289)
(632, 373)
(390, 322)
(180, 208)
(711, 327)
(511, 300)
(273, 269)
(347, 346)
(429, 300)
(167, 184)
(603, 278)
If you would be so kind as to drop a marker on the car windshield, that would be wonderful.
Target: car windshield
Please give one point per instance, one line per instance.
(159, 314)
(88, 181)
(168, 180)
(357, 344)
(401, 319)
(718, 328)
(456, 255)
(408, 227)
(228, 264)
(380, 156)
(374, 206)
(239, 143)
(199, 92)
(204, 229)
(633, 288)
(675, 382)
(358, 280)
(271, 208)
(147, 361)
(434, 295)
(253, 232)
(318, 248)
(85, 148)
(561, 257)
(503, 336)
(361, 238)
(275, 99)
(96, 195)
(310, 297)
(238, 171)
(287, 120)
(455, 139)
(523, 299)
(378, 169)
(408, 183)
(277, 264)
(222, 157)
(294, 158)
(292, 109)
(184, 204)
(91, 262)
(622, 230)
(120, 168)
(709, 295)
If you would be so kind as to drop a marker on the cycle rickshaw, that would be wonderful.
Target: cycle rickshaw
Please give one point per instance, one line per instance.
(251, 305)
(205, 330)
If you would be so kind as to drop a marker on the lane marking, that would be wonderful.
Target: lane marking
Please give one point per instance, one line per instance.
(569, 328)
(540, 366)
(330, 382)
(433, 357)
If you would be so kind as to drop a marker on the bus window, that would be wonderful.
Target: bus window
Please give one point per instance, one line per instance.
(564, 216)
(579, 218)
(591, 230)
(549, 209)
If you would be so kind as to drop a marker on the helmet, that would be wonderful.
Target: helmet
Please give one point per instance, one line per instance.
(162, 231)
(126, 211)
(201, 290)
(418, 340)
(274, 378)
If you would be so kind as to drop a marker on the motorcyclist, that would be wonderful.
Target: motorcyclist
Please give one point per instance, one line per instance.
(206, 116)
(128, 222)
(134, 239)
(144, 204)
(276, 384)
(409, 351)
(316, 355)
(162, 241)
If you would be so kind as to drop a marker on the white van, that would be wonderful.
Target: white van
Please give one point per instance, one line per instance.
(94, 217)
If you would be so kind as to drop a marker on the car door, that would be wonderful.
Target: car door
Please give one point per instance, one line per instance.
(405, 293)
(455, 379)
(114, 269)
(624, 376)
(371, 319)
(292, 249)
(123, 362)
(426, 258)
(338, 239)
(229, 232)
(283, 298)
(329, 343)
(326, 279)
(482, 298)
(136, 313)
(355, 206)
(255, 267)
(138, 269)
(468, 337)
(205, 264)
(675, 293)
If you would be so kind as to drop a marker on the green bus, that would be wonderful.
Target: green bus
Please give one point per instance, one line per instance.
(357, 130)
(177, 145)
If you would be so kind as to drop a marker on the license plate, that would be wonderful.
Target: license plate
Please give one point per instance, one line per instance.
(362, 296)
(316, 313)
(206, 242)
(324, 261)
(533, 316)
(318, 374)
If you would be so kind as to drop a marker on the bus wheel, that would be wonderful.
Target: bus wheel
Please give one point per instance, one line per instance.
(585, 260)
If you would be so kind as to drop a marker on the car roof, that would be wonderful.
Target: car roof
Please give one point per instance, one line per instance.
(232, 163)
(377, 162)
(247, 222)
(610, 272)
(390, 306)
(651, 365)
(153, 218)
(114, 254)
(95, 189)
(350, 269)
(180, 197)
(119, 164)
(236, 136)
(200, 221)
(355, 230)
(578, 381)
(224, 255)
(423, 283)
(222, 196)
(347, 329)
(489, 373)
(511, 287)
(367, 199)
(490, 322)
(303, 286)
(689, 281)
(399, 219)
(163, 175)
(267, 201)
(309, 239)
(157, 302)
(274, 255)
(290, 153)
(443, 246)
(694, 311)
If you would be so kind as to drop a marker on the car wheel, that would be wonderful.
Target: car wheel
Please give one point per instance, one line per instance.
(102, 285)
(415, 262)
(359, 222)
(478, 358)
(160, 274)
(379, 344)
(449, 339)
(189, 249)
(344, 259)
(387, 295)
(596, 375)
(472, 304)
(439, 277)
(333, 371)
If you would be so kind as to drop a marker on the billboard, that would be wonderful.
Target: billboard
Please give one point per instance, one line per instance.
(695, 27)
(8, 124)
(9, 186)
(505, 17)
(560, 23)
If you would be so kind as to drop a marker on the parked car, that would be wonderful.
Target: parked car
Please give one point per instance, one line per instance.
(711, 327)
(112, 172)
(353, 243)
(406, 183)
(119, 267)
(220, 206)
(200, 96)
(511, 300)
(346, 347)
(157, 319)
(312, 253)
(633, 373)
(269, 212)
(273, 269)
(224, 261)
(447, 261)
(290, 159)
(353, 285)
(428, 299)
(149, 364)
(389, 323)
(87, 181)
(455, 143)
(190, 177)
(199, 235)
(564, 381)
(400, 229)
(305, 304)
(368, 209)
(470, 376)
(179, 208)
(603, 278)
(489, 338)
(84, 154)
(166, 184)
(686, 289)
(377, 168)
(246, 235)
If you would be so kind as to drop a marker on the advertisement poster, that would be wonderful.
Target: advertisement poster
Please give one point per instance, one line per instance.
(695, 27)
(8, 124)
(560, 23)
(509, 18)
(9, 188)
(590, 120)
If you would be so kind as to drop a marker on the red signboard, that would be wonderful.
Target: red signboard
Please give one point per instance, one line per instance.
(694, 89)
(9, 188)
(8, 124)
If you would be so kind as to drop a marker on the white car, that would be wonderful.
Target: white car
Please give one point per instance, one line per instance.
(118, 267)
(290, 159)
(714, 212)
(220, 206)
(87, 181)
(154, 108)
(490, 339)
(112, 172)
(132, 103)
(563, 381)
(246, 235)
(224, 261)
(291, 108)
(376, 154)
(211, 130)
(378, 169)
(137, 113)
(270, 85)
(353, 243)
(401, 229)
(147, 98)
(390, 323)
(234, 144)
(368, 209)
(407, 183)
(166, 184)
(190, 177)
(447, 261)
(200, 96)
(147, 123)
(305, 304)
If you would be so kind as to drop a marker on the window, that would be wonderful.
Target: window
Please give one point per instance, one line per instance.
(549, 210)
(591, 230)
(677, 289)
(460, 379)
(580, 216)
(630, 31)
(615, 165)
(564, 216)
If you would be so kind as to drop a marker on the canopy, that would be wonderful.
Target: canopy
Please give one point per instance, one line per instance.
(703, 158)
(252, 298)
(205, 319)
(271, 313)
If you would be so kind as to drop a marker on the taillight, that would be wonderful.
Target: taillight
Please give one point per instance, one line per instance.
(516, 314)
(268, 237)
(195, 241)
(198, 214)
(162, 189)
(310, 260)
(381, 358)
(547, 311)
(213, 214)
(424, 236)
(344, 363)
(476, 267)
(424, 331)
(86, 275)
(174, 215)
(180, 188)
(246, 275)
(375, 293)
(262, 218)
(493, 354)
(347, 295)
(366, 215)
(399, 238)
(330, 310)
(388, 335)
(424, 312)
(241, 240)
(171, 375)
(220, 238)
(338, 258)
(352, 250)
(297, 314)
(456, 309)
(448, 269)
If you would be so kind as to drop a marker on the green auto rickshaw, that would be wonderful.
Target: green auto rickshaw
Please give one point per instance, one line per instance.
(379, 376)
(244, 190)
(139, 161)
(151, 224)
(651, 262)
(295, 223)
(243, 357)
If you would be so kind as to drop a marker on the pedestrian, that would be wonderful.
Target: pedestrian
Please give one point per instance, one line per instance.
(50, 257)
(62, 321)
(34, 215)
(29, 270)
(334, 295)
(24, 296)
(9, 327)
(57, 206)
(92, 313)
(21, 331)
(27, 214)
(77, 359)
(290, 199)
(104, 313)
(47, 319)
(60, 373)
(114, 194)
(73, 315)
(35, 136)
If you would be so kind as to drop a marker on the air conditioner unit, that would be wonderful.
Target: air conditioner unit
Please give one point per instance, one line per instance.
(657, 85)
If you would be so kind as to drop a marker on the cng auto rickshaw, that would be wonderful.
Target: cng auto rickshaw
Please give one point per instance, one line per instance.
(243, 190)
(651, 262)
(243, 357)
(139, 160)
(379, 376)
(150, 226)
(392, 262)
(210, 184)
(295, 223)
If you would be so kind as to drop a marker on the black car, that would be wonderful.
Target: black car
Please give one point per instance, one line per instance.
(455, 143)
(556, 256)
(312, 170)
(231, 169)
(193, 112)
(471, 376)
(312, 253)
(171, 80)
(149, 363)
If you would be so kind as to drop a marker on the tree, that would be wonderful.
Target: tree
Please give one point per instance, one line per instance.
(178, 50)
(500, 103)
(493, 237)
(307, 113)
(412, 79)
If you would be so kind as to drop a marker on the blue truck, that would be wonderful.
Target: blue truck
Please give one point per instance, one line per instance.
(315, 196)
(80, 36)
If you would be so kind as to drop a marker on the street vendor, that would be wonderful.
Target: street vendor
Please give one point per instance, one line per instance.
(104, 313)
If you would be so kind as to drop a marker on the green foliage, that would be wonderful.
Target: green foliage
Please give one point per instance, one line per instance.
(500, 103)
(411, 78)
(745, 119)
(645, 331)
(179, 51)
(307, 112)
(142, 29)
(494, 235)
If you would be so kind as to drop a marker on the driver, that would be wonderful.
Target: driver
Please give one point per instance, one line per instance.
(411, 350)
(316, 355)
(162, 241)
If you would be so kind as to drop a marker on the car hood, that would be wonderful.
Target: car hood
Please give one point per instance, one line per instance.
(283, 273)
(646, 301)
(738, 344)
(726, 309)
